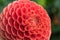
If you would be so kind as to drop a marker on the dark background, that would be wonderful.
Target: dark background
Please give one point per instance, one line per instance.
(53, 9)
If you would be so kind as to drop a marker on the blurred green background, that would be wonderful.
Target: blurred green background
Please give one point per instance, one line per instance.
(53, 9)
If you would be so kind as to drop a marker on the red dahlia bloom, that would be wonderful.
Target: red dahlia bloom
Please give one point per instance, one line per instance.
(25, 20)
